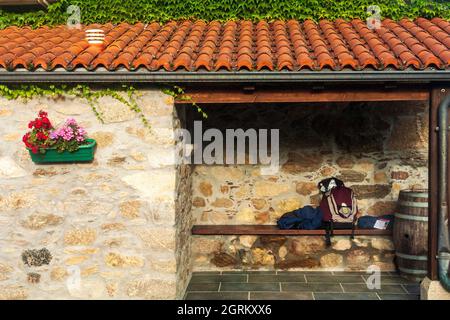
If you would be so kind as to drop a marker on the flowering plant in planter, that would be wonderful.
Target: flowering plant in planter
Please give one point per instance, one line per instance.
(68, 143)
(37, 140)
(69, 137)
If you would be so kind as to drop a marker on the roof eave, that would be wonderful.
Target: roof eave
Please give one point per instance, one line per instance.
(145, 76)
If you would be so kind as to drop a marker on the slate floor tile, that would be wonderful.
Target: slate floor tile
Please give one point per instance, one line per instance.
(217, 296)
(206, 273)
(385, 279)
(281, 296)
(335, 279)
(387, 288)
(218, 278)
(349, 273)
(276, 278)
(361, 273)
(321, 273)
(412, 288)
(203, 286)
(315, 287)
(346, 296)
(392, 296)
(262, 286)
(250, 272)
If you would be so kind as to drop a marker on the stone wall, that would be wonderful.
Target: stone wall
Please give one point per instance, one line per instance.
(183, 205)
(113, 222)
(377, 149)
(292, 253)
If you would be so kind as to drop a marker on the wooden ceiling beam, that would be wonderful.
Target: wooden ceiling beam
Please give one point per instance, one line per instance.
(292, 94)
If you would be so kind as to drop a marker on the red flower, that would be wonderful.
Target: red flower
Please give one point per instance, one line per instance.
(43, 114)
(38, 138)
(38, 123)
(25, 139)
(46, 123)
(41, 136)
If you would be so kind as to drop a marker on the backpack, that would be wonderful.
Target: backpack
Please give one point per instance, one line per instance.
(340, 210)
(305, 218)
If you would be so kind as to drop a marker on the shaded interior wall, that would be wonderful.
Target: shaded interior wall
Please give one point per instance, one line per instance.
(377, 149)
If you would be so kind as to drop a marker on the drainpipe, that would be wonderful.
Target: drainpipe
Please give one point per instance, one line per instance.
(443, 240)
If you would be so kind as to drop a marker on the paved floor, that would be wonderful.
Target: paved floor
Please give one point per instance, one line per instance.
(290, 285)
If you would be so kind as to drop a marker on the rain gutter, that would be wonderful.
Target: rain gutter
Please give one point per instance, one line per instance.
(145, 76)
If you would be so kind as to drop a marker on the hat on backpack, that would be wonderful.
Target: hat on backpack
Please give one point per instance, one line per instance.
(326, 185)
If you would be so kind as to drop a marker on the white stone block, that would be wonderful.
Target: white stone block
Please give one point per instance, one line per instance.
(9, 169)
(433, 290)
(153, 184)
(160, 157)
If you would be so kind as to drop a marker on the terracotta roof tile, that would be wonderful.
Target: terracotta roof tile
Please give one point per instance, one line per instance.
(234, 45)
(418, 48)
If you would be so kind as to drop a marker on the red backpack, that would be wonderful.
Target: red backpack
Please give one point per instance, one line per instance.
(339, 210)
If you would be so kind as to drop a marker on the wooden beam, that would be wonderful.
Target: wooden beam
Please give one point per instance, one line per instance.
(436, 95)
(274, 230)
(292, 94)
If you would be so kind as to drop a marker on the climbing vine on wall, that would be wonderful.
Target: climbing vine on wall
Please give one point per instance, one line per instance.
(179, 94)
(94, 11)
(92, 96)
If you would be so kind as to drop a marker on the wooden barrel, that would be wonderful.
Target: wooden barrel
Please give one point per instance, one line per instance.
(411, 234)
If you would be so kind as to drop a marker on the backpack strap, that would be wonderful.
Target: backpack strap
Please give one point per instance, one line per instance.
(355, 221)
(353, 231)
(328, 232)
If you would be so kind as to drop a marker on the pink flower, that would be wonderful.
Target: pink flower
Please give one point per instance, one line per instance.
(69, 131)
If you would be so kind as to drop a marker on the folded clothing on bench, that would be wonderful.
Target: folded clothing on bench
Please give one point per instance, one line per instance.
(307, 218)
(370, 222)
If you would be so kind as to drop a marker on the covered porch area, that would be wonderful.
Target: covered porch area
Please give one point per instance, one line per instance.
(252, 282)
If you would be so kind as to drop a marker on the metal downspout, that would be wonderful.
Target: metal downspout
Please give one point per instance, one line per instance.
(443, 239)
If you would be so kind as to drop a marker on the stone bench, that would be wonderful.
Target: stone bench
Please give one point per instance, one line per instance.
(206, 230)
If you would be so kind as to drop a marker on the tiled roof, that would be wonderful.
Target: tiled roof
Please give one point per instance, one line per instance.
(242, 45)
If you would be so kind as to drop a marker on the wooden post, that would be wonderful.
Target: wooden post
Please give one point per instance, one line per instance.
(436, 95)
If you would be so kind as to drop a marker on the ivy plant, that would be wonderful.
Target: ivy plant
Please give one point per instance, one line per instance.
(83, 91)
(115, 11)
(92, 95)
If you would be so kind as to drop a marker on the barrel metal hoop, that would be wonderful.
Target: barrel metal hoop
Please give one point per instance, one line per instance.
(411, 257)
(413, 204)
(410, 217)
(413, 271)
(416, 194)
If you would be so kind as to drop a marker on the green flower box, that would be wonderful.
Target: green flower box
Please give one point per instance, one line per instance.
(85, 153)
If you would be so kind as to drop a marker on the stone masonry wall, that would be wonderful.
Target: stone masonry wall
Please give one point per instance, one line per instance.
(377, 149)
(113, 222)
(183, 220)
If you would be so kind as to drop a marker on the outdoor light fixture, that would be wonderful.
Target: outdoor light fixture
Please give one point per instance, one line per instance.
(95, 36)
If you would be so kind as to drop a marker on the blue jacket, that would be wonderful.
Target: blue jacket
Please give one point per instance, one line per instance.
(304, 218)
